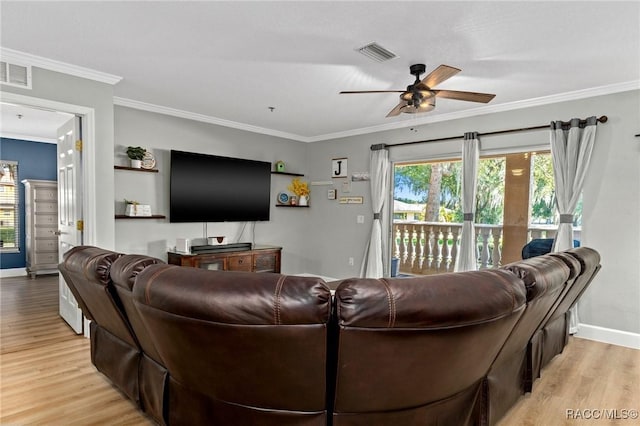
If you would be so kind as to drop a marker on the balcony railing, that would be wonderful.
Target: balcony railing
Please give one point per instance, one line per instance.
(425, 248)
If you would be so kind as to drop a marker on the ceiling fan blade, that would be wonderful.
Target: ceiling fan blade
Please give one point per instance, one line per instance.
(347, 92)
(440, 74)
(464, 96)
(397, 109)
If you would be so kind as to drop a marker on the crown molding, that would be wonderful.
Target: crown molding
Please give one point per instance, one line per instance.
(22, 58)
(144, 106)
(29, 138)
(489, 109)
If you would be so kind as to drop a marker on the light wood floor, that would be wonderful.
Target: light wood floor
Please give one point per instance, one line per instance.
(47, 377)
(45, 369)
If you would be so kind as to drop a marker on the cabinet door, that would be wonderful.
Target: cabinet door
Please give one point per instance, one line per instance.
(239, 263)
(46, 207)
(49, 193)
(45, 219)
(45, 259)
(212, 263)
(267, 262)
(46, 245)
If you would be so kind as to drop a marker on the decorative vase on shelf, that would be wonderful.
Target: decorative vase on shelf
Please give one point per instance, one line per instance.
(136, 164)
(303, 200)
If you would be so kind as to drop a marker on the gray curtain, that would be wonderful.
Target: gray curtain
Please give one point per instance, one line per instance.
(466, 260)
(571, 148)
(375, 256)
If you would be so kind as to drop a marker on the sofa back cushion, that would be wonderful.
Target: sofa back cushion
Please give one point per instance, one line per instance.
(86, 270)
(114, 348)
(124, 272)
(575, 272)
(407, 345)
(545, 278)
(589, 261)
(249, 342)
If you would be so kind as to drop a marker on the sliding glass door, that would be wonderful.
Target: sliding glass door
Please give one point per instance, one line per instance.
(514, 204)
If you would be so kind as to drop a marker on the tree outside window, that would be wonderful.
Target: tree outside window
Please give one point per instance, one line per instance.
(515, 202)
(437, 186)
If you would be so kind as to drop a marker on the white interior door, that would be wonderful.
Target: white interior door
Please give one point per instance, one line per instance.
(70, 223)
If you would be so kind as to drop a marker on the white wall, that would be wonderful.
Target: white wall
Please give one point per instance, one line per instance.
(161, 133)
(320, 239)
(67, 89)
(611, 198)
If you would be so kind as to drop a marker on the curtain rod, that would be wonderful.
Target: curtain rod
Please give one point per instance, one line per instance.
(602, 119)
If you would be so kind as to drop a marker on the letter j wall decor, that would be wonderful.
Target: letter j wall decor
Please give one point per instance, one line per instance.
(339, 168)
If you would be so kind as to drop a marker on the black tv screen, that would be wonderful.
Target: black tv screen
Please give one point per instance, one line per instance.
(211, 188)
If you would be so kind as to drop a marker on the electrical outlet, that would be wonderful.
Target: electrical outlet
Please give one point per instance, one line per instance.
(351, 261)
(360, 218)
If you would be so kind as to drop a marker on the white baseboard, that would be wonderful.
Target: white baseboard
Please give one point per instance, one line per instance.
(13, 272)
(609, 335)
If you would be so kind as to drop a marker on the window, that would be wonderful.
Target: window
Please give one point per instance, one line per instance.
(434, 189)
(543, 195)
(9, 207)
(515, 202)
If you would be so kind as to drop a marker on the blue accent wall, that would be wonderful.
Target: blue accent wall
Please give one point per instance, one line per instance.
(36, 160)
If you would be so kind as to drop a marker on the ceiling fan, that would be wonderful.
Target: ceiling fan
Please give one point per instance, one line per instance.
(421, 97)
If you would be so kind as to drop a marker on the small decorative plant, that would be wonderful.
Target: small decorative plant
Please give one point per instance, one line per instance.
(136, 152)
(298, 187)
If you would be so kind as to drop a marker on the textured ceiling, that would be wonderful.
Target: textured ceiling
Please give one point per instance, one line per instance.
(231, 61)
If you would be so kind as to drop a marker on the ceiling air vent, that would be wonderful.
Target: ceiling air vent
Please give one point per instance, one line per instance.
(15, 75)
(376, 52)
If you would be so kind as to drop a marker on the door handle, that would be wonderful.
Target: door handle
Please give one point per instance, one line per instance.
(58, 232)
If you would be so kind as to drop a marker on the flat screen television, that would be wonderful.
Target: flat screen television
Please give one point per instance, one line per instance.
(211, 188)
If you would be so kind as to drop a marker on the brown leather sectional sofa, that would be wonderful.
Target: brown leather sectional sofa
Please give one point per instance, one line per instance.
(191, 346)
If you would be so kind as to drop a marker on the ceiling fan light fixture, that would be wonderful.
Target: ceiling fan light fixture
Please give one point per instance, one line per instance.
(420, 97)
(424, 105)
(421, 94)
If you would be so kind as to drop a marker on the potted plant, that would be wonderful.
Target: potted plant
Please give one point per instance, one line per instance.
(301, 189)
(136, 154)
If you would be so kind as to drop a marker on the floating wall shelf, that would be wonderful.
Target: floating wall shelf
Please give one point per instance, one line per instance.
(135, 170)
(287, 173)
(155, 216)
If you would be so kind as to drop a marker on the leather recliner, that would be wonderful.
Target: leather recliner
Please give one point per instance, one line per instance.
(242, 348)
(553, 336)
(152, 374)
(415, 351)
(115, 351)
(192, 346)
(545, 277)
